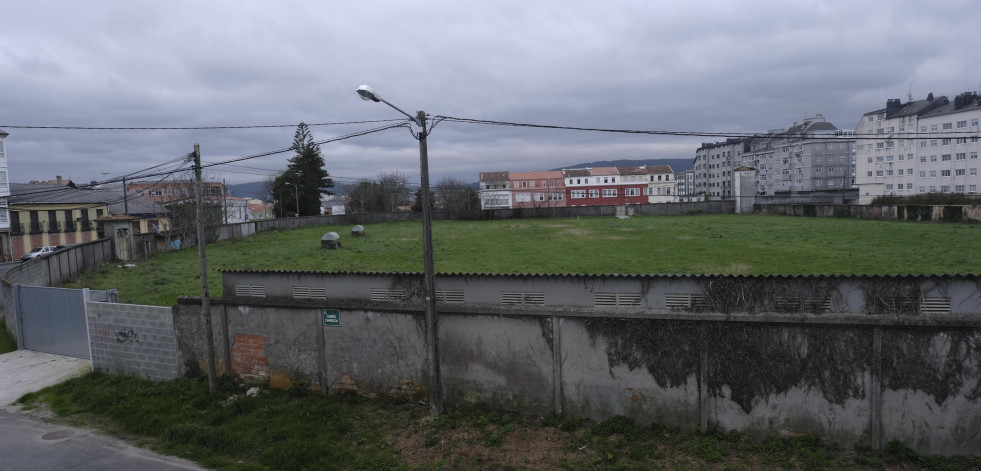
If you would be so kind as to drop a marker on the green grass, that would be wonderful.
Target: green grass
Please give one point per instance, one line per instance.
(301, 430)
(7, 342)
(708, 244)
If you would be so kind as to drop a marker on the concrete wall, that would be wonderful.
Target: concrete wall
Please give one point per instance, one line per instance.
(132, 340)
(881, 212)
(851, 359)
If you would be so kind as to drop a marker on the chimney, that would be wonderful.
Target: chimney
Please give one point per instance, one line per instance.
(893, 105)
(930, 96)
(58, 179)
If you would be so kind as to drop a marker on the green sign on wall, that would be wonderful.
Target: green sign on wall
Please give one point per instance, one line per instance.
(331, 317)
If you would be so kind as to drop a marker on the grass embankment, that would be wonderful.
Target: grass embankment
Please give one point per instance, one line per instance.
(301, 430)
(7, 342)
(712, 244)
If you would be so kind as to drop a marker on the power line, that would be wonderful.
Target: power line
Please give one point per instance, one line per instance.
(188, 128)
(775, 135)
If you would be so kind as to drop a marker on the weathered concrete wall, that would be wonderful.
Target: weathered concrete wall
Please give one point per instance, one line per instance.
(880, 212)
(852, 359)
(133, 340)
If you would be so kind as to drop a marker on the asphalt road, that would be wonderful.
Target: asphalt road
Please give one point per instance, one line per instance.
(29, 444)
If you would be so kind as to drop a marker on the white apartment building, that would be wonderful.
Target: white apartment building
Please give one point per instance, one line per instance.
(495, 190)
(5, 249)
(918, 147)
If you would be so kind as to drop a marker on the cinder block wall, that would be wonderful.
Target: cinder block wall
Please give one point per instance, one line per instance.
(133, 340)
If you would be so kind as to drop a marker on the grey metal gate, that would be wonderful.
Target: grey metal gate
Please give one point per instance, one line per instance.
(52, 320)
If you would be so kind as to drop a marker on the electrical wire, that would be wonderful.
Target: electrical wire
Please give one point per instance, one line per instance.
(776, 135)
(188, 128)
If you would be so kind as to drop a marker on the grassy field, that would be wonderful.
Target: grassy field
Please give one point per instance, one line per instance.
(712, 244)
(301, 430)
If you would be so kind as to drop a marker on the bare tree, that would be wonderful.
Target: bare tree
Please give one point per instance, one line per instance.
(453, 194)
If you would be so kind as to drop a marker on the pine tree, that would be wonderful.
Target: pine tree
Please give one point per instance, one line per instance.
(307, 172)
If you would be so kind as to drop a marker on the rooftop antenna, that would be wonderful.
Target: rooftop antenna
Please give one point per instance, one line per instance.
(909, 93)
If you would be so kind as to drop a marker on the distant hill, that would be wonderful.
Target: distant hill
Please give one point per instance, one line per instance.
(251, 190)
(678, 165)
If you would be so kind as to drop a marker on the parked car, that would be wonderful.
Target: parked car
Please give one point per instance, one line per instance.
(39, 252)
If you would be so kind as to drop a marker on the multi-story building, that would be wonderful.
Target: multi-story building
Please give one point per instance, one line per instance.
(921, 146)
(538, 189)
(713, 168)
(661, 184)
(495, 190)
(813, 161)
(5, 245)
(171, 192)
(685, 185)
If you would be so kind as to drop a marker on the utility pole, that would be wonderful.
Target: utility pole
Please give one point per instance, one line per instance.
(203, 262)
(125, 198)
(224, 200)
(429, 281)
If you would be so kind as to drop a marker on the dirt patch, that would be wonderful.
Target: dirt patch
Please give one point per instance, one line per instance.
(466, 447)
(576, 232)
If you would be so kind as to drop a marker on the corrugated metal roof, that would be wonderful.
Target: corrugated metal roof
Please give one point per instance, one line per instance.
(610, 275)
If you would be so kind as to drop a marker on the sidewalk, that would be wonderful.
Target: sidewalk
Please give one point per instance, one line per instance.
(26, 371)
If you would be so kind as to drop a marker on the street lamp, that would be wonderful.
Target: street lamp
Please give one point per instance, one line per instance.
(429, 283)
(125, 194)
(296, 196)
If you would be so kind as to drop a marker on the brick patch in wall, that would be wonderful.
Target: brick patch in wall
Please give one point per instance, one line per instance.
(249, 360)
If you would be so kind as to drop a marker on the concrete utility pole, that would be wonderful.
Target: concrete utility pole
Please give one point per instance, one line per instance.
(203, 262)
(429, 279)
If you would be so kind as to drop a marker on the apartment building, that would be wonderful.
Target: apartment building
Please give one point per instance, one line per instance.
(495, 190)
(165, 192)
(918, 147)
(812, 161)
(712, 172)
(5, 243)
(600, 186)
(538, 189)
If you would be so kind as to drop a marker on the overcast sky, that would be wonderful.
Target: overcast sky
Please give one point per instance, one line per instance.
(707, 66)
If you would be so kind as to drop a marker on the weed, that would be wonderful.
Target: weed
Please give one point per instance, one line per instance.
(7, 342)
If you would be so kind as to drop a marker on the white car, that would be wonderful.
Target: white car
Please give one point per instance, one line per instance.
(39, 252)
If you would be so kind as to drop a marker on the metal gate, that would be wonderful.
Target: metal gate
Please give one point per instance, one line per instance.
(52, 320)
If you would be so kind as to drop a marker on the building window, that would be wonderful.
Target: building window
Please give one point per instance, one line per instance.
(961, 140)
(609, 192)
(945, 173)
(948, 126)
(945, 157)
(594, 193)
(973, 171)
(961, 124)
(922, 173)
(945, 188)
(577, 194)
(539, 196)
(631, 192)
(959, 172)
(946, 141)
